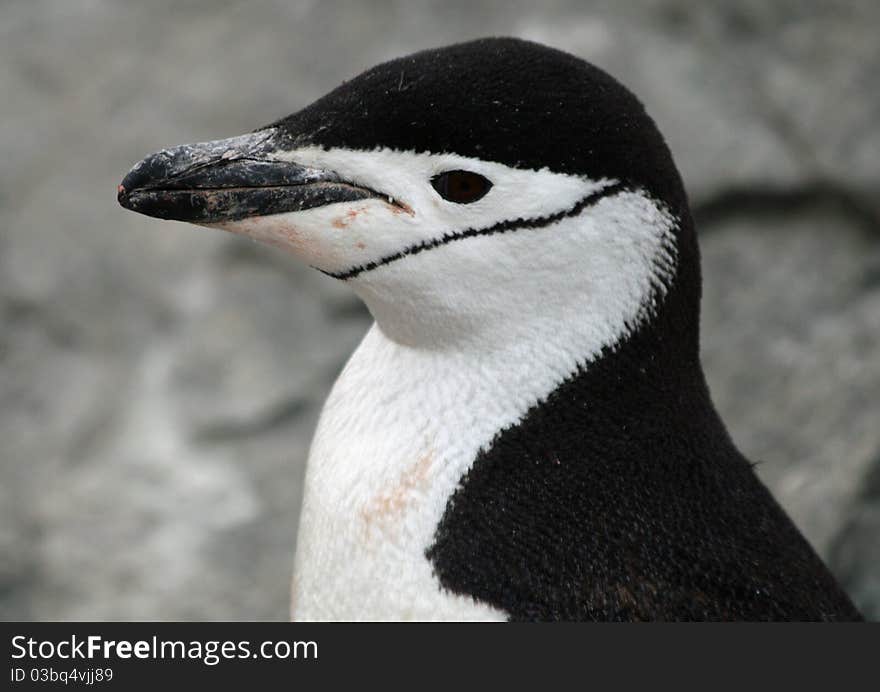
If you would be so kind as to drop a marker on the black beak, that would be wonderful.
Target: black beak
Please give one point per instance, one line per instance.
(228, 180)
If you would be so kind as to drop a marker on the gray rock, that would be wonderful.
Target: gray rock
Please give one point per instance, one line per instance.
(159, 383)
(855, 552)
(790, 338)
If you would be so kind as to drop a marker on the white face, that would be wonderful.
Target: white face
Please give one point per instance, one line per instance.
(341, 236)
(610, 256)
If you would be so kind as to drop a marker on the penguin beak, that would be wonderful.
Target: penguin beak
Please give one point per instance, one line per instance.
(229, 180)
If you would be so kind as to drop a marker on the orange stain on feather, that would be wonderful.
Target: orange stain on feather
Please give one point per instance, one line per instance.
(350, 215)
(388, 507)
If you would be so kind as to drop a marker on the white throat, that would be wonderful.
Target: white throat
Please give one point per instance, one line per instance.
(461, 349)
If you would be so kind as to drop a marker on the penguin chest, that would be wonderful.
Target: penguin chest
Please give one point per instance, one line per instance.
(381, 470)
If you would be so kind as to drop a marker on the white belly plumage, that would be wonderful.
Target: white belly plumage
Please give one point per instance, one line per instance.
(372, 504)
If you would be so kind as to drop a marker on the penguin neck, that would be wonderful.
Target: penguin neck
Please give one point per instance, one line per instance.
(517, 365)
(569, 289)
(512, 339)
(609, 299)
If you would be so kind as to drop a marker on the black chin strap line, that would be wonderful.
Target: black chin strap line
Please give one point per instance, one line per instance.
(501, 227)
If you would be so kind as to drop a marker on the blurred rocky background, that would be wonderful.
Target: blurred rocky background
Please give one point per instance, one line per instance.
(159, 383)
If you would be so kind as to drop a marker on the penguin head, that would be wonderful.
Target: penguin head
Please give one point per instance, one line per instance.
(455, 189)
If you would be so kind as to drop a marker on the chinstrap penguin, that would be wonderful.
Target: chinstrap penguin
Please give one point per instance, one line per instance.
(525, 433)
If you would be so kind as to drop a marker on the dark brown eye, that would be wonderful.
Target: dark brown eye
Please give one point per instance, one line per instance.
(462, 187)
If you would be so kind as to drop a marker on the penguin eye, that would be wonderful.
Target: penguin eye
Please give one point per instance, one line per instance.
(461, 187)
